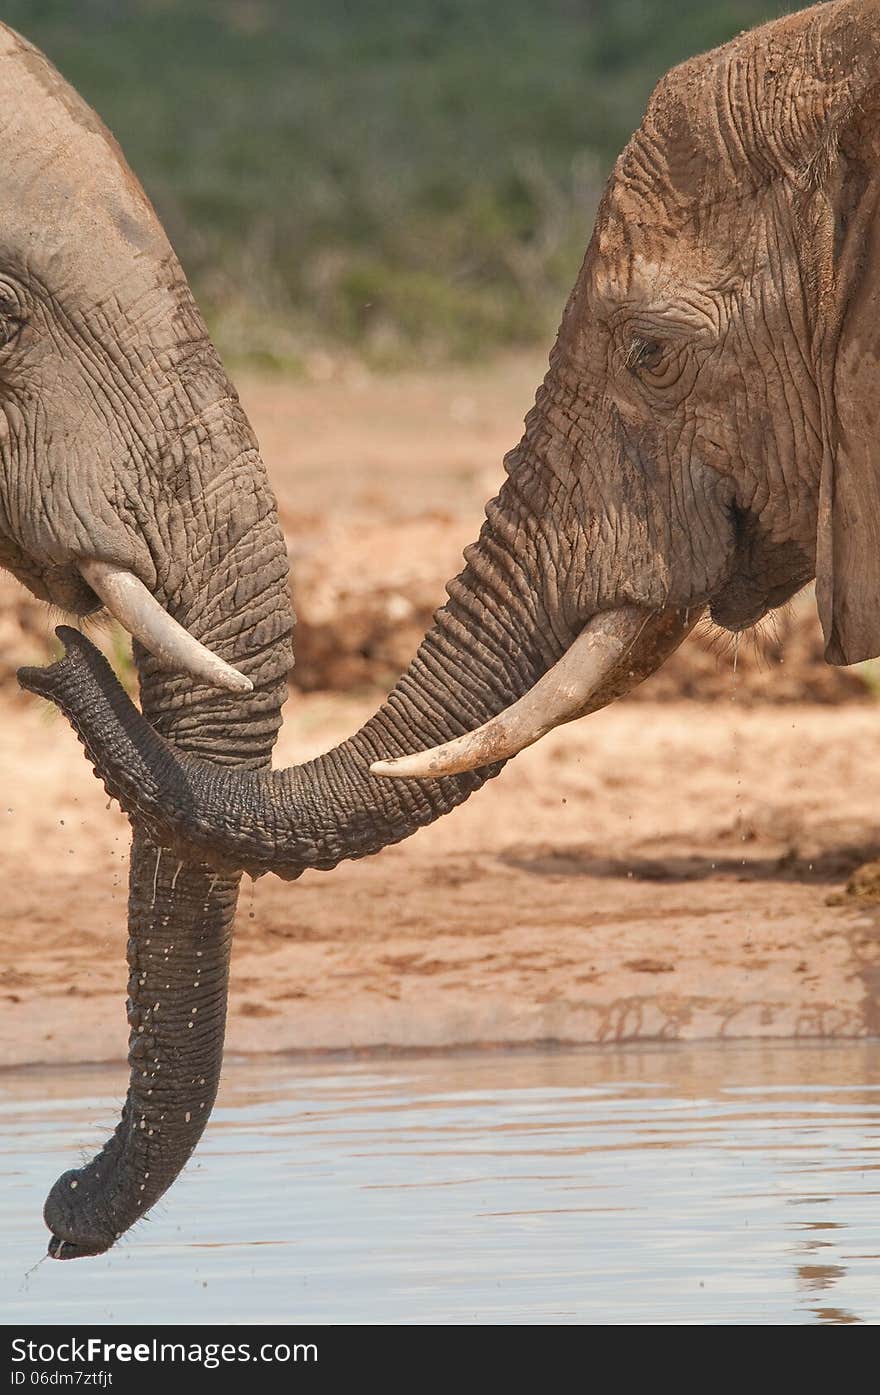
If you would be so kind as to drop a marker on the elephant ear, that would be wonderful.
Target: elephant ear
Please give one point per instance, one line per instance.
(848, 536)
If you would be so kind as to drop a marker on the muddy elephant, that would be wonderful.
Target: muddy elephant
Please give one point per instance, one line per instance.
(703, 437)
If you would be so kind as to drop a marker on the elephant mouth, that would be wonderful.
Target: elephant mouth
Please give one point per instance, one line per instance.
(62, 587)
(765, 574)
(737, 612)
(743, 602)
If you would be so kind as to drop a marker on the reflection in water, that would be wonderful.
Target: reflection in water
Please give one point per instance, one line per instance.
(823, 1276)
(697, 1183)
(819, 1275)
(834, 1317)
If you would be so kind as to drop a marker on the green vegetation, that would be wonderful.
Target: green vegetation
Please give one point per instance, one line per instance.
(399, 177)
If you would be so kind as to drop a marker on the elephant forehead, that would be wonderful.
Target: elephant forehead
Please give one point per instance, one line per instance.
(645, 258)
(758, 108)
(624, 273)
(71, 212)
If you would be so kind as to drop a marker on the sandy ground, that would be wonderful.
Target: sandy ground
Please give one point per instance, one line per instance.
(660, 870)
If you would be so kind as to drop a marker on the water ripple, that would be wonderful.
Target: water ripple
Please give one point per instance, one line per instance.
(714, 1183)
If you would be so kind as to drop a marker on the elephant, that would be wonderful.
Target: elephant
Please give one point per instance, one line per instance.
(702, 440)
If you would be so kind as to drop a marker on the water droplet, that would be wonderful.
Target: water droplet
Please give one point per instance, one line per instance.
(156, 876)
(736, 639)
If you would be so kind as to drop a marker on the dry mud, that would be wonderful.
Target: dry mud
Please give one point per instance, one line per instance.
(675, 867)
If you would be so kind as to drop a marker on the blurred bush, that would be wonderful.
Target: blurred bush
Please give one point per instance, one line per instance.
(395, 178)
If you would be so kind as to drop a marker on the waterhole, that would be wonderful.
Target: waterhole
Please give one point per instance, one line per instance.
(716, 1183)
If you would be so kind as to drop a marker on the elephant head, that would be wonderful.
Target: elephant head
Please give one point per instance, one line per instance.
(703, 437)
(129, 476)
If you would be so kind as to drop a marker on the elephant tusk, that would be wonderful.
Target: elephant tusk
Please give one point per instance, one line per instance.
(564, 692)
(129, 602)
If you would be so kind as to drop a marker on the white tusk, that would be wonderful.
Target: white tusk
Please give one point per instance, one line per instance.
(586, 678)
(562, 693)
(129, 602)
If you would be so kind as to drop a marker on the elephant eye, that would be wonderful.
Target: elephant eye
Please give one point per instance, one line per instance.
(12, 316)
(643, 353)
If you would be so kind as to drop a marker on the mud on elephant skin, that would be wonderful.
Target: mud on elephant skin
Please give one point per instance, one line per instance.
(702, 437)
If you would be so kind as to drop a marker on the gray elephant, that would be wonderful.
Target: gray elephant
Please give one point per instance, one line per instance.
(703, 437)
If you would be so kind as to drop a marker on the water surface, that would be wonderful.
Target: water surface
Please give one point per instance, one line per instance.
(700, 1183)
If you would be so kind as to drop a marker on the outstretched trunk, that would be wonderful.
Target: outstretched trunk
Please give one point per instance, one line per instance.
(180, 912)
(191, 772)
(134, 478)
(489, 646)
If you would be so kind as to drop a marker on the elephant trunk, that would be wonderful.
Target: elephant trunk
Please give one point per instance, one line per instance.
(191, 771)
(180, 933)
(490, 645)
(180, 913)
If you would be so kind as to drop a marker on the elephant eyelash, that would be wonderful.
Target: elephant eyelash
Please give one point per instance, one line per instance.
(643, 353)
